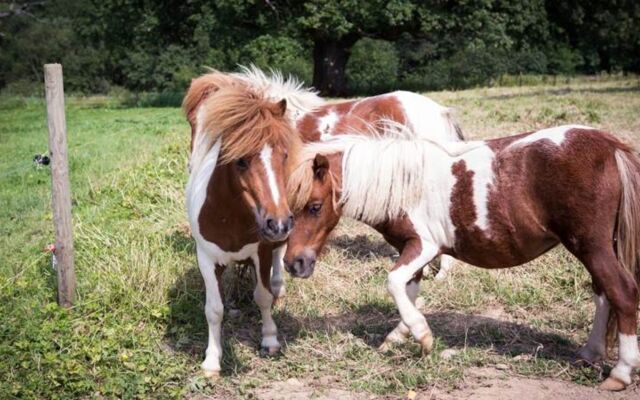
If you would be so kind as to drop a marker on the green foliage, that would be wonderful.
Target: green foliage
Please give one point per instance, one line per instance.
(278, 52)
(373, 66)
(127, 43)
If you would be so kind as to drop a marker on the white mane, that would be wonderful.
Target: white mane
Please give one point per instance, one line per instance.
(299, 100)
(385, 176)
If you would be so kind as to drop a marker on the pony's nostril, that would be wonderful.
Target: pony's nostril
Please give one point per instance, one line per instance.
(271, 225)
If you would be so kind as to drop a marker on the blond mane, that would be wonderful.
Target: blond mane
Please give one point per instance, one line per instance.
(245, 120)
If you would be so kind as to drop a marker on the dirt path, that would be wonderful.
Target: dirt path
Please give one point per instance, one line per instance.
(493, 384)
(479, 384)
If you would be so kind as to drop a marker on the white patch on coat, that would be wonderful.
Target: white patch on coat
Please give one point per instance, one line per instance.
(556, 134)
(480, 162)
(425, 117)
(265, 157)
(628, 358)
(326, 125)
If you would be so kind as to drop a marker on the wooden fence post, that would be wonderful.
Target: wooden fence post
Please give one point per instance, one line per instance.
(60, 187)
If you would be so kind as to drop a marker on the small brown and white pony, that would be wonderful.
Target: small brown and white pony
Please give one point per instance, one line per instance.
(243, 143)
(494, 204)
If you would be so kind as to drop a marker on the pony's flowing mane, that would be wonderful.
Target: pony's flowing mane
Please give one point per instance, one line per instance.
(300, 100)
(241, 113)
(381, 176)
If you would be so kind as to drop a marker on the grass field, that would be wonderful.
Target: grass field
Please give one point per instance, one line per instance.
(138, 329)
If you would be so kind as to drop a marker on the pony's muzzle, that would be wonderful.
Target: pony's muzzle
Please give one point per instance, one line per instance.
(302, 266)
(277, 229)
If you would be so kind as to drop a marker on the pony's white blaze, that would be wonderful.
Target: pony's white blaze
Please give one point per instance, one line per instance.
(629, 357)
(326, 125)
(557, 135)
(265, 157)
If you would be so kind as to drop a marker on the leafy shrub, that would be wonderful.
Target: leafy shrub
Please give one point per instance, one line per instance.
(373, 66)
(563, 60)
(278, 52)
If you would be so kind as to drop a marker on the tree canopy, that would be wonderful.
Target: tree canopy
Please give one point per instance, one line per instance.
(336, 45)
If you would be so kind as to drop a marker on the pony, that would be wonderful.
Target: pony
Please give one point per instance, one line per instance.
(425, 118)
(493, 204)
(243, 144)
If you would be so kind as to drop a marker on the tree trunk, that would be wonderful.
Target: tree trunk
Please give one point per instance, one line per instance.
(329, 65)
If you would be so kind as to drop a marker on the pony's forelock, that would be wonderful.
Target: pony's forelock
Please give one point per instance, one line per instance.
(245, 121)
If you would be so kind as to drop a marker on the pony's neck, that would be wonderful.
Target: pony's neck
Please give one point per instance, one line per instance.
(384, 178)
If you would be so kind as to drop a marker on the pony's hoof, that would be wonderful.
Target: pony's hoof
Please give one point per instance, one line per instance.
(612, 385)
(270, 351)
(587, 357)
(426, 343)
(440, 276)
(279, 292)
(385, 347)
(211, 374)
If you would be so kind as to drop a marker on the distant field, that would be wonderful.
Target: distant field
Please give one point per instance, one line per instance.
(138, 329)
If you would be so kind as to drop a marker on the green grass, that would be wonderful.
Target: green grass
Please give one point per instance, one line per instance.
(138, 329)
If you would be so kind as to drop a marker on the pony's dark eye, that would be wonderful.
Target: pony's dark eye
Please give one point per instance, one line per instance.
(242, 164)
(314, 209)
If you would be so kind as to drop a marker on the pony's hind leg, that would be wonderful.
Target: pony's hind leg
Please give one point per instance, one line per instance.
(596, 348)
(264, 299)
(213, 310)
(621, 291)
(404, 271)
(400, 333)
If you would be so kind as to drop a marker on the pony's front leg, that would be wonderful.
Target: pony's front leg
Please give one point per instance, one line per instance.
(400, 333)
(277, 276)
(213, 310)
(414, 257)
(263, 297)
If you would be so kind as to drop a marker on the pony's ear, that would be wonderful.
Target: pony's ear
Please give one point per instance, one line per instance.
(280, 108)
(320, 166)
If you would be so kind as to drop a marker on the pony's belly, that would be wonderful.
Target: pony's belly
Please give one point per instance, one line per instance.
(499, 252)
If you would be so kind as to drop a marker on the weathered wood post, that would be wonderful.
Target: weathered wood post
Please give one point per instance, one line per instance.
(60, 187)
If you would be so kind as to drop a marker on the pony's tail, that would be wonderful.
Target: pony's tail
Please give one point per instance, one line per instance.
(453, 127)
(628, 223)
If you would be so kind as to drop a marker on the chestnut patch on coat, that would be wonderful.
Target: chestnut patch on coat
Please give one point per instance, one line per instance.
(353, 116)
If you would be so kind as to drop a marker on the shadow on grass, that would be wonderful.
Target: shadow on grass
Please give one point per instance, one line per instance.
(187, 328)
(362, 247)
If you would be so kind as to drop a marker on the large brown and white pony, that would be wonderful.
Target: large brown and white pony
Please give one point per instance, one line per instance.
(494, 204)
(243, 143)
